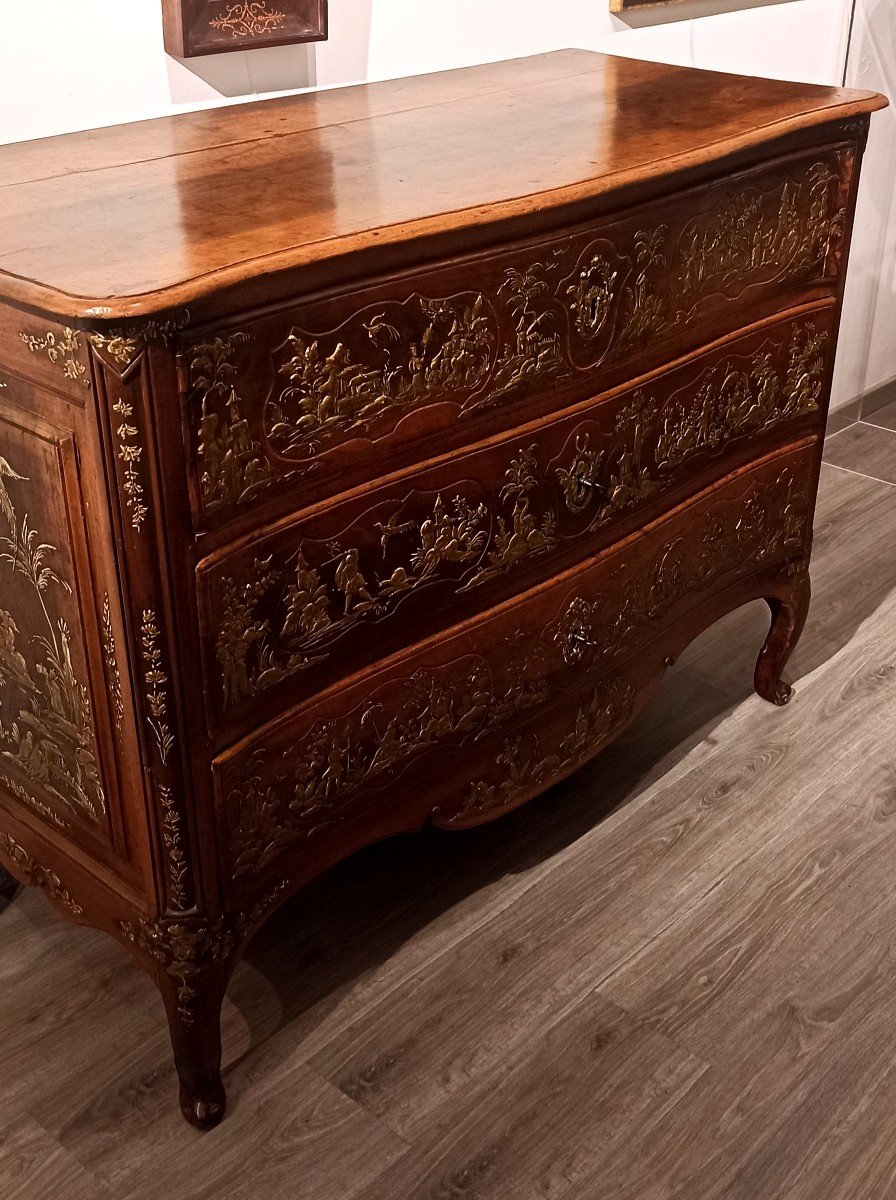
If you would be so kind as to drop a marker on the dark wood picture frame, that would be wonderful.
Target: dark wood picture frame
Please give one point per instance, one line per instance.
(626, 6)
(199, 27)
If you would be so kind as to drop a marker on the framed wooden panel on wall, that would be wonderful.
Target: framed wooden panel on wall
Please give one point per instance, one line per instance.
(196, 27)
(623, 6)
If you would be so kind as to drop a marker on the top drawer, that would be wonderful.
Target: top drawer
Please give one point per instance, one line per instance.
(297, 404)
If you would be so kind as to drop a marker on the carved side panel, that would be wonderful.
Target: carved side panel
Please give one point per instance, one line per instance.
(326, 594)
(457, 702)
(339, 389)
(49, 756)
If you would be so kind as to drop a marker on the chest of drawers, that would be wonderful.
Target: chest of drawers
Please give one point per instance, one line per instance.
(366, 458)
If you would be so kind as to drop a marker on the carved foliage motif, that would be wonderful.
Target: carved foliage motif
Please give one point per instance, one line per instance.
(130, 452)
(51, 739)
(341, 756)
(63, 351)
(248, 19)
(188, 947)
(118, 346)
(113, 676)
(172, 838)
(595, 302)
(185, 949)
(37, 875)
(156, 682)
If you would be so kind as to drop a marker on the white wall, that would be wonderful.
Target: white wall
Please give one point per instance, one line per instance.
(68, 65)
(867, 358)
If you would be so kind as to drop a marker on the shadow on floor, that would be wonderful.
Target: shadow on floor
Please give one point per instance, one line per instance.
(348, 923)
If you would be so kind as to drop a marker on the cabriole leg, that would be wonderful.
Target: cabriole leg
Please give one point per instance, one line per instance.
(789, 610)
(193, 1002)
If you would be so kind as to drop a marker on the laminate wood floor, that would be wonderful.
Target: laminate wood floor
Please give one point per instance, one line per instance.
(672, 978)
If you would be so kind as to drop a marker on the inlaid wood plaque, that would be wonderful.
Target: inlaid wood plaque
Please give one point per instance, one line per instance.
(197, 27)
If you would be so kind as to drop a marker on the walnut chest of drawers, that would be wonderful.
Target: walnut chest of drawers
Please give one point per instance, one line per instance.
(366, 458)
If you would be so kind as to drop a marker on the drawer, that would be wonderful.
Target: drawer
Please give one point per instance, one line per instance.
(289, 611)
(415, 730)
(300, 403)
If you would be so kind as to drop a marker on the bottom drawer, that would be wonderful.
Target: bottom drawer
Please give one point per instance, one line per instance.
(470, 722)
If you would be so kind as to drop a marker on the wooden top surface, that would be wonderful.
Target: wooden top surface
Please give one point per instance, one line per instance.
(142, 217)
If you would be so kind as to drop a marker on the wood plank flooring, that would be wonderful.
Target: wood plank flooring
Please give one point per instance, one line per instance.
(672, 978)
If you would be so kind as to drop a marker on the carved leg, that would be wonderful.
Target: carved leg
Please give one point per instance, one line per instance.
(788, 618)
(193, 1001)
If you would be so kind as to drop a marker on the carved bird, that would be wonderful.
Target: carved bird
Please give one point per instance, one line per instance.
(6, 472)
(378, 325)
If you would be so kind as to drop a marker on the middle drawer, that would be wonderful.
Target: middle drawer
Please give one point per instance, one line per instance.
(317, 596)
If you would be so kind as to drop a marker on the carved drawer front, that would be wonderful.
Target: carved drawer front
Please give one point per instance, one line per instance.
(288, 612)
(455, 704)
(301, 403)
(49, 752)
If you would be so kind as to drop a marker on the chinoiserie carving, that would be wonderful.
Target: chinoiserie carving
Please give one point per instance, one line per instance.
(62, 350)
(113, 676)
(338, 758)
(248, 19)
(519, 534)
(746, 238)
(654, 438)
(172, 839)
(33, 873)
(156, 681)
(278, 617)
(534, 352)
(232, 464)
(742, 239)
(771, 521)
(130, 451)
(51, 740)
(319, 602)
(343, 382)
(523, 769)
